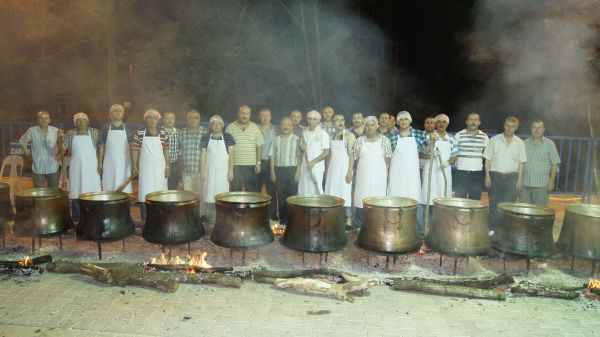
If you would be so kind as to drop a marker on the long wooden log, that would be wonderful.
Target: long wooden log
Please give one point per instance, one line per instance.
(185, 267)
(340, 291)
(482, 283)
(67, 267)
(540, 290)
(223, 280)
(432, 287)
(120, 277)
(264, 273)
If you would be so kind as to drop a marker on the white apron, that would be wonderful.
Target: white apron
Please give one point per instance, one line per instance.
(306, 185)
(405, 179)
(152, 167)
(217, 161)
(335, 184)
(437, 178)
(371, 173)
(83, 167)
(116, 166)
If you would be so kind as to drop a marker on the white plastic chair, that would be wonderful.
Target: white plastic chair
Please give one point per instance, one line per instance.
(15, 169)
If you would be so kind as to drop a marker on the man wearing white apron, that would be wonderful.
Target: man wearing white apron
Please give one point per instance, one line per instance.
(82, 143)
(150, 154)
(216, 164)
(114, 154)
(315, 146)
(446, 148)
(373, 152)
(341, 162)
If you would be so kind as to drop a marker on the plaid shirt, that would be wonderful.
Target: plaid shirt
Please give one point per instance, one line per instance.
(540, 158)
(329, 128)
(418, 135)
(189, 148)
(69, 135)
(174, 148)
(385, 145)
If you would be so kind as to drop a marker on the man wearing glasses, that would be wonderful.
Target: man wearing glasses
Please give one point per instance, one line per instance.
(45, 140)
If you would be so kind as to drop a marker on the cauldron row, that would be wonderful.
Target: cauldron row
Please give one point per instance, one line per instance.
(317, 224)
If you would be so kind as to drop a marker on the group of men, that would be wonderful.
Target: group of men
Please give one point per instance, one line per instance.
(377, 156)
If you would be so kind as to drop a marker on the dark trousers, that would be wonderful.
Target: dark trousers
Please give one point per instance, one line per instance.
(468, 184)
(245, 177)
(264, 178)
(286, 187)
(75, 212)
(174, 176)
(51, 179)
(503, 189)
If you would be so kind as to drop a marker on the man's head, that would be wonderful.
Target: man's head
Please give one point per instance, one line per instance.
(392, 121)
(169, 119)
(511, 124)
(327, 113)
(286, 125)
(384, 119)
(296, 117)
(537, 129)
(339, 122)
(473, 121)
(404, 119)
(429, 124)
(151, 117)
(117, 112)
(371, 125)
(81, 120)
(313, 118)
(264, 116)
(216, 124)
(43, 118)
(441, 122)
(357, 120)
(244, 113)
(193, 119)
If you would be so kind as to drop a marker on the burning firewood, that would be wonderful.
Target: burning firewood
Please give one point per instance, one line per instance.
(434, 287)
(26, 266)
(340, 291)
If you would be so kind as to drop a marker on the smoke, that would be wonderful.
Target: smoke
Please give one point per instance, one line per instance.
(536, 59)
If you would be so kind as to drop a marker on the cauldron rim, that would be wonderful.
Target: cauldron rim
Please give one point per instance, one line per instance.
(332, 201)
(39, 193)
(526, 209)
(406, 202)
(105, 196)
(459, 203)
(4, 185)
(190, 197)
(252, 198)
(588, 210)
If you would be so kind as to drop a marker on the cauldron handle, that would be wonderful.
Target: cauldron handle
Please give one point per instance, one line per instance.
(308, 212)
(400, 211)
(457, 218)
(240, 210)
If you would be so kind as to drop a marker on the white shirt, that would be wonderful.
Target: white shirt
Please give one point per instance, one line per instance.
(505, 158)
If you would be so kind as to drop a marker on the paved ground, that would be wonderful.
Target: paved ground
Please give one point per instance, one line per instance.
(72, 305)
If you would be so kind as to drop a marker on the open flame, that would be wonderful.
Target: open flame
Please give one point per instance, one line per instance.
(594, 284)
(278, 230)
(423, 250)
(198, 260)
(27, 261)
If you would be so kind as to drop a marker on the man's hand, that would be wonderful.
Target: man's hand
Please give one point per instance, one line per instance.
(60, 133)
(550, 186)
(273, 177)
(167, 171)
(135, 171)
(519, 184)
(303, 146)
(349, 177)
(488, 181)
(310, 165)
(445, 164)
(257, 168)
(229, 175)
(99, 168)
(297, 177)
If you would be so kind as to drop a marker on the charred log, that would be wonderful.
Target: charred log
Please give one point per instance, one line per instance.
(339, 291)
(482, 283)
(123, 277)
(185, 267)
(540, 290)
(433, 287)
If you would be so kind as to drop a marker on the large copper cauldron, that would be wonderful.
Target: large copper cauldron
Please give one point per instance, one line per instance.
(42, 212)
(524, 229)
(105, 217)
(316, 224)
(580, 233)
(6, 210)
(172, 218)
(459, 227)
(242, 220)
(390, 225)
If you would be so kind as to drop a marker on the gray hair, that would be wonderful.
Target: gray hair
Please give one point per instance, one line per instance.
(216, 118)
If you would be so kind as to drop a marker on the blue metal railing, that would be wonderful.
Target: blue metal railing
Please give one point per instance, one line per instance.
(575, 174)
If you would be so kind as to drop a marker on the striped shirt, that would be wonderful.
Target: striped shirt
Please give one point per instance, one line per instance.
(329, 128)
(268, 136)
(470, 150)
(190, 147)
(43, 149)
(246, 141)
(540, 158)
(174, 148)
(285, 150)
(69, 135)
(138, 138)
